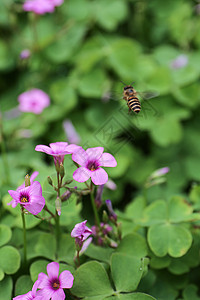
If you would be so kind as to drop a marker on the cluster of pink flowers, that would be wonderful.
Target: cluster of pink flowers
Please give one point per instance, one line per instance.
(50, 286)
(41, 7)
(90, 161)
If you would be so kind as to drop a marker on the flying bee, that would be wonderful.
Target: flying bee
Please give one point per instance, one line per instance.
(130, 95)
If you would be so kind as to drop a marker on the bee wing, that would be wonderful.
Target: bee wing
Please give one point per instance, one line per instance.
(148, 94)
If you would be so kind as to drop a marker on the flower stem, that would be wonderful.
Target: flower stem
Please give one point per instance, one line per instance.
(97, 221)
(57, 218)
(57, 232)
(24, 234)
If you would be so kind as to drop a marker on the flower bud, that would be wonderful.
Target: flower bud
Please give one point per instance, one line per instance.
(50, 181)
(27, 180)
(113, 215)
(105, 217)
(62, 170)
(58, 205)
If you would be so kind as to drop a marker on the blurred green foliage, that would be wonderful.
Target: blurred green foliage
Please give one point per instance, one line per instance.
(79, 55)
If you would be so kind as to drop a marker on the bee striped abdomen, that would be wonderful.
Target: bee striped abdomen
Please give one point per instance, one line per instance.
(134, 104)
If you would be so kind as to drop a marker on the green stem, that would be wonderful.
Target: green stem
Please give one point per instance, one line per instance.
(24, 234)
(4, 154)
(97, 221)
(57, 218)
(57, 232)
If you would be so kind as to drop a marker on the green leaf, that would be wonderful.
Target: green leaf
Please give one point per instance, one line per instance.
(160, 80)
(163, 290)
(64, 48)
(99, 253)
(109, 14)
(166, 238)
(135, 209)
(131, 296)
(179, 210)
(123, 57)
(5, 234)
(6, 59)
(126, 272)
(155, 213)
(188, 95)
(191, 292)
(134, 245)
(37, 267)
(23, 285)
(64, 95)
(67, 250)
(160, 262)
(9, 259)
(93, 84)
(46, 246)
(166, 132)
(91, 279)
(6, 286)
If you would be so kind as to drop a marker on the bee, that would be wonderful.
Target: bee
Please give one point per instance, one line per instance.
(130, 95)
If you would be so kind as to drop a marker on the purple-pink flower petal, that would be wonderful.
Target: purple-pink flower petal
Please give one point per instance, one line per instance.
(58, 295)
(107, 160)
(36, 205)
(80, 157)
(86, 245)
(94, 153)
(66, 280)
(82, 174)
(44, 148)
(99, 176)
(53, 270)
(43, 280)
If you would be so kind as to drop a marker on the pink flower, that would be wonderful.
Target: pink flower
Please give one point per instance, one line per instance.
(52, 285)
(34, 101)
(179, 62)
(41, 7)
(30, 295)
(160, 172)
(25, 54)
(91, 161)
(58, 150)
(29, 197)
(81, 231)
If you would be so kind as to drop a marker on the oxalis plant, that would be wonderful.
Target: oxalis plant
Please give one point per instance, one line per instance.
(61, 237)
(99, 261)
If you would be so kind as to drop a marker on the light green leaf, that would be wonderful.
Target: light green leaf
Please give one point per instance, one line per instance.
(6, 286)
(126, 272)
(9, 259)
(134, 245)
(91, 279)
(5, 234)
(173, 239)
(23, 285)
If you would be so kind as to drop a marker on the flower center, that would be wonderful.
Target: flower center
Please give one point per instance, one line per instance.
(92, 165)
(24, 199)
(56, 285)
